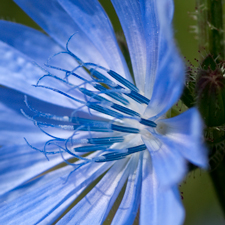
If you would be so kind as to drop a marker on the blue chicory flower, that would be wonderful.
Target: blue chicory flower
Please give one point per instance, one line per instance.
(85, 106)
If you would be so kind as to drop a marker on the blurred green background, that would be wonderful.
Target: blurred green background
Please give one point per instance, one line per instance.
(202, 207)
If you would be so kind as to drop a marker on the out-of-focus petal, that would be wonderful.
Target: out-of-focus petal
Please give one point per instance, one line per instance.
(158, 206)
(168, 85)
(169, 165)
(186, 131)
(170, 74)
(40, 198)
(127, 210)
(95, 206)
(129, 13)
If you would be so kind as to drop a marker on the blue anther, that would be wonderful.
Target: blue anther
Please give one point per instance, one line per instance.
(125, 129)
(82, 121)
(120, 155)
(102, 78)
(91, 125)
(93, 128)
(125, 110)
(111, 157)
(90, 148)
(138, 97)
(105, 140)
(123, 81)
(114, 106)
(92, 94)
(147, 122)
(105, 110)
(137, 149)
(114, 95)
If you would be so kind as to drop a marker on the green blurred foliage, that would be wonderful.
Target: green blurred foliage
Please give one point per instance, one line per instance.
(199, 199)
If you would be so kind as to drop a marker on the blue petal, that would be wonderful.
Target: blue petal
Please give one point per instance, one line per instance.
(20, 164)
(94, 208)
(15, 126)
(38, 47)
(60, 26)
(127, 210)
(15, 100)
(158, 206)
(169, 165)
(20, 73)
(32, 43)
(186, 131)
(170, 75)
(94, 22)
(129, 13)
(168, 85)
(165, 16)
(152, 31)
(40, 199)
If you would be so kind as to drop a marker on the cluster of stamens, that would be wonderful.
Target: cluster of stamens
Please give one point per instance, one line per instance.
(113, 97)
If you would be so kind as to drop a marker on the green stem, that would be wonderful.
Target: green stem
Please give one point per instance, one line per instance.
(210, 27)
(215, 23)
(218, 179)
(203, 38)
(211, 42)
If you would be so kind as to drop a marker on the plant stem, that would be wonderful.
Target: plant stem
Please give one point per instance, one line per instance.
(210, 27)
(211, 42)
(218, 179)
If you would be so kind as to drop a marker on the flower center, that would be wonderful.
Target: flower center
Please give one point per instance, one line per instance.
(114, 107)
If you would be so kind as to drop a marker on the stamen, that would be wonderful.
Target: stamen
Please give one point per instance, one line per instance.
(119, 89)
(137, 149)
(103, 79)
(94, 128)
(125, 129)
(104, 110)
(114, 105)
(115, 95)
(90, 148)
(113, 74)
(125, 110)
(147, 122)
(92, 125)
(92, 94)
(105, 140)
(120, 155)
(60, 92)
(122, 80)
(138, 97)
(111, 158)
